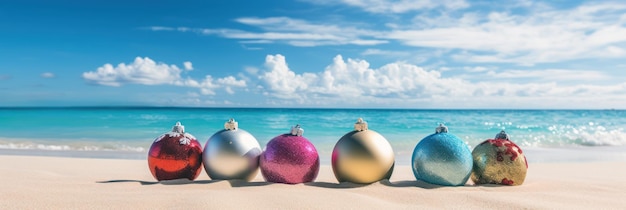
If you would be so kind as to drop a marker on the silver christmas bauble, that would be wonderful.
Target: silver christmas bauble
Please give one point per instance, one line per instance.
(232, 153)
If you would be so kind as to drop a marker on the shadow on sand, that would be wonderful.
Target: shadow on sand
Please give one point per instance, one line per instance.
(487, 185)
(166, 182)
(233, 183)
(244, 183)
(410, 183)
(330, 185)
(333, 185)
(426, 185)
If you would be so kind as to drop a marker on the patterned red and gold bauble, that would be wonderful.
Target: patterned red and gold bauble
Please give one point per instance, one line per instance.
(499, 161)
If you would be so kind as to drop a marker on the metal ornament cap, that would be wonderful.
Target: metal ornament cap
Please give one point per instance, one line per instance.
(290, 159)
(362, 156)
(443, 159)
(499, 161)
(231, 153)
(175, 155)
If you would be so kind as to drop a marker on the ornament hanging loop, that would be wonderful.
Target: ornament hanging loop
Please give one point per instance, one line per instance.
(441, 129)
(360, 125)
(231, 124)
(297, 130)
(178, 128)
(502, 135)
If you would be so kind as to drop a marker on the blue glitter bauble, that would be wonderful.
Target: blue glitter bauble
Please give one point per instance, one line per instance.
(442, 159)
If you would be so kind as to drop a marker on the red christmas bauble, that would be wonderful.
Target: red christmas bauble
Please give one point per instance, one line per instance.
(175, 155)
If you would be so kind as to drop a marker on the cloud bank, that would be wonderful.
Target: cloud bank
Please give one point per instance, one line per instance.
(348, 82)
(353, 82)
(145, 71)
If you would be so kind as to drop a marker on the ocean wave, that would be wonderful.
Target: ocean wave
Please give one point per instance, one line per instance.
(403, 142)
(601, 138)
(52, 147)
(590, 135)
(572, 131)
(571, 136)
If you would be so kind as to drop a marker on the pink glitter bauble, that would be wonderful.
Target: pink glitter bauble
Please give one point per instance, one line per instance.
(290, 159)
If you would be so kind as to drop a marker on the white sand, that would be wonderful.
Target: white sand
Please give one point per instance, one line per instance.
(28, 182)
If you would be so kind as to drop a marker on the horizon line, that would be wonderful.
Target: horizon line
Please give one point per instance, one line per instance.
(318, 108)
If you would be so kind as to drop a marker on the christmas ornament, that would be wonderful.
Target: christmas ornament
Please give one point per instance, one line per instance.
(499, 161)
(232, 153)
(442, 159)
(175, 155)
(362, 156)
(290, 158)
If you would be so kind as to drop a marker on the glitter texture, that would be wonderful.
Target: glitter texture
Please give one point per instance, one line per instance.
(289, 159)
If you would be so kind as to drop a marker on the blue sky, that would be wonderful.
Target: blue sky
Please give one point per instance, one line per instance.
(314, 53)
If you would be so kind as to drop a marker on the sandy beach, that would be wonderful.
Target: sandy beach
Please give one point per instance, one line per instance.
(30, 182)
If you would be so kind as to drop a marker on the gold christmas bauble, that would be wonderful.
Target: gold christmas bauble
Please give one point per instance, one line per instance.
(362, 156)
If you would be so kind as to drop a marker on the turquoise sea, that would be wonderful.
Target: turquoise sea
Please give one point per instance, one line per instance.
(127, 132)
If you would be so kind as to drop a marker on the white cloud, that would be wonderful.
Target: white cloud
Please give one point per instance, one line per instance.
(160, 28)
(145, 71)
(388, 53)
(251, 70)
(349, 79)
(354, 83)
(397, 6)
(188, 65)
(261, 41)
(476, 69)
(280, 36)
(47, 75)
(251, 48)
(290, 31)
(539, 35)
(283, 82)
(229, 82)
(206, 86)
(615, 51)
(546, 35)
(522, 32)
(165, 28)
(551, 75)
(304, 33)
